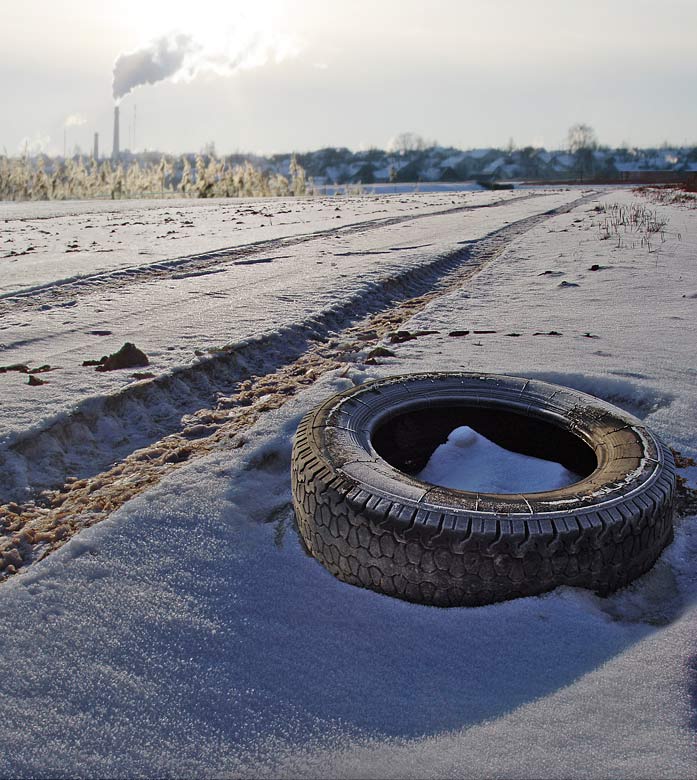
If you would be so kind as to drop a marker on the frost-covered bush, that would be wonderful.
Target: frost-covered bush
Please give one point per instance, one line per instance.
(46, 178)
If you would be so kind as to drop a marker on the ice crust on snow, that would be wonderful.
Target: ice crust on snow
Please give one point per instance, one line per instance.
(190, 635)
(469, 461)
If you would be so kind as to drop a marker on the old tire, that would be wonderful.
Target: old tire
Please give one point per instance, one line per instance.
(371, 524)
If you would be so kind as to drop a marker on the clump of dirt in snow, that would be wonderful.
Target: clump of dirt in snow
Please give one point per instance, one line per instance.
(400, 336)
(129, 356)
(686, 496)
(21, 368)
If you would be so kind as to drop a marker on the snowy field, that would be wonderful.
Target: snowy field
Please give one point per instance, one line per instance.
(187, 633)
(282, 281)
(36, 237)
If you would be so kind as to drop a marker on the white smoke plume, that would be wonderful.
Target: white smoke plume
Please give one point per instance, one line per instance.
(75, 120)
(181, 56)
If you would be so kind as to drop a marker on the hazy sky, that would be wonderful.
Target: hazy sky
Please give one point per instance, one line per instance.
(271, 75)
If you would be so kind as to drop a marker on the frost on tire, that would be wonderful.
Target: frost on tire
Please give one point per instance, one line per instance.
(371, 524)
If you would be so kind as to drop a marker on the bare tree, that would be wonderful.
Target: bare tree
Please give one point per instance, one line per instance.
(410, 142)
(582, 142)
(580, 137)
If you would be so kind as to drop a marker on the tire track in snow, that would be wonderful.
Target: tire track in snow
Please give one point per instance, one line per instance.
(204, 263)
(254, 377)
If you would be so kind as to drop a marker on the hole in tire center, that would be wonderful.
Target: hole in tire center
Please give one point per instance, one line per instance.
(408, 439)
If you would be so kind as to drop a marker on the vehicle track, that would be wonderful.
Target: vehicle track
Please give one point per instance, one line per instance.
(211, 403)
(206, 262)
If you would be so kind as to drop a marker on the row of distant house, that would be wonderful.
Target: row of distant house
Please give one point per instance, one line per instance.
(443, 164)
(341, 166)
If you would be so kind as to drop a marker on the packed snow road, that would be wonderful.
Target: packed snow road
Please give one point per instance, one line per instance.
(189, 635)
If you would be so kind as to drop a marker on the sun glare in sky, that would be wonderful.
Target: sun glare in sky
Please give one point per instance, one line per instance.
(207, 20)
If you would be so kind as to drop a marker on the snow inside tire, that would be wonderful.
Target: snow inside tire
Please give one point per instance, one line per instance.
(371, 524)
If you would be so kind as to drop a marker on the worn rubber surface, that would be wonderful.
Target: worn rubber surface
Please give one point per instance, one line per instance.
(371, 524)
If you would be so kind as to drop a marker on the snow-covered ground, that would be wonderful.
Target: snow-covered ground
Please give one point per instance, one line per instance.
(189, 635)
(183, 311)
(51, 241)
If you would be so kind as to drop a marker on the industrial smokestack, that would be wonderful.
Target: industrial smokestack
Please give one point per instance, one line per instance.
(96, 146)
(115, 152)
